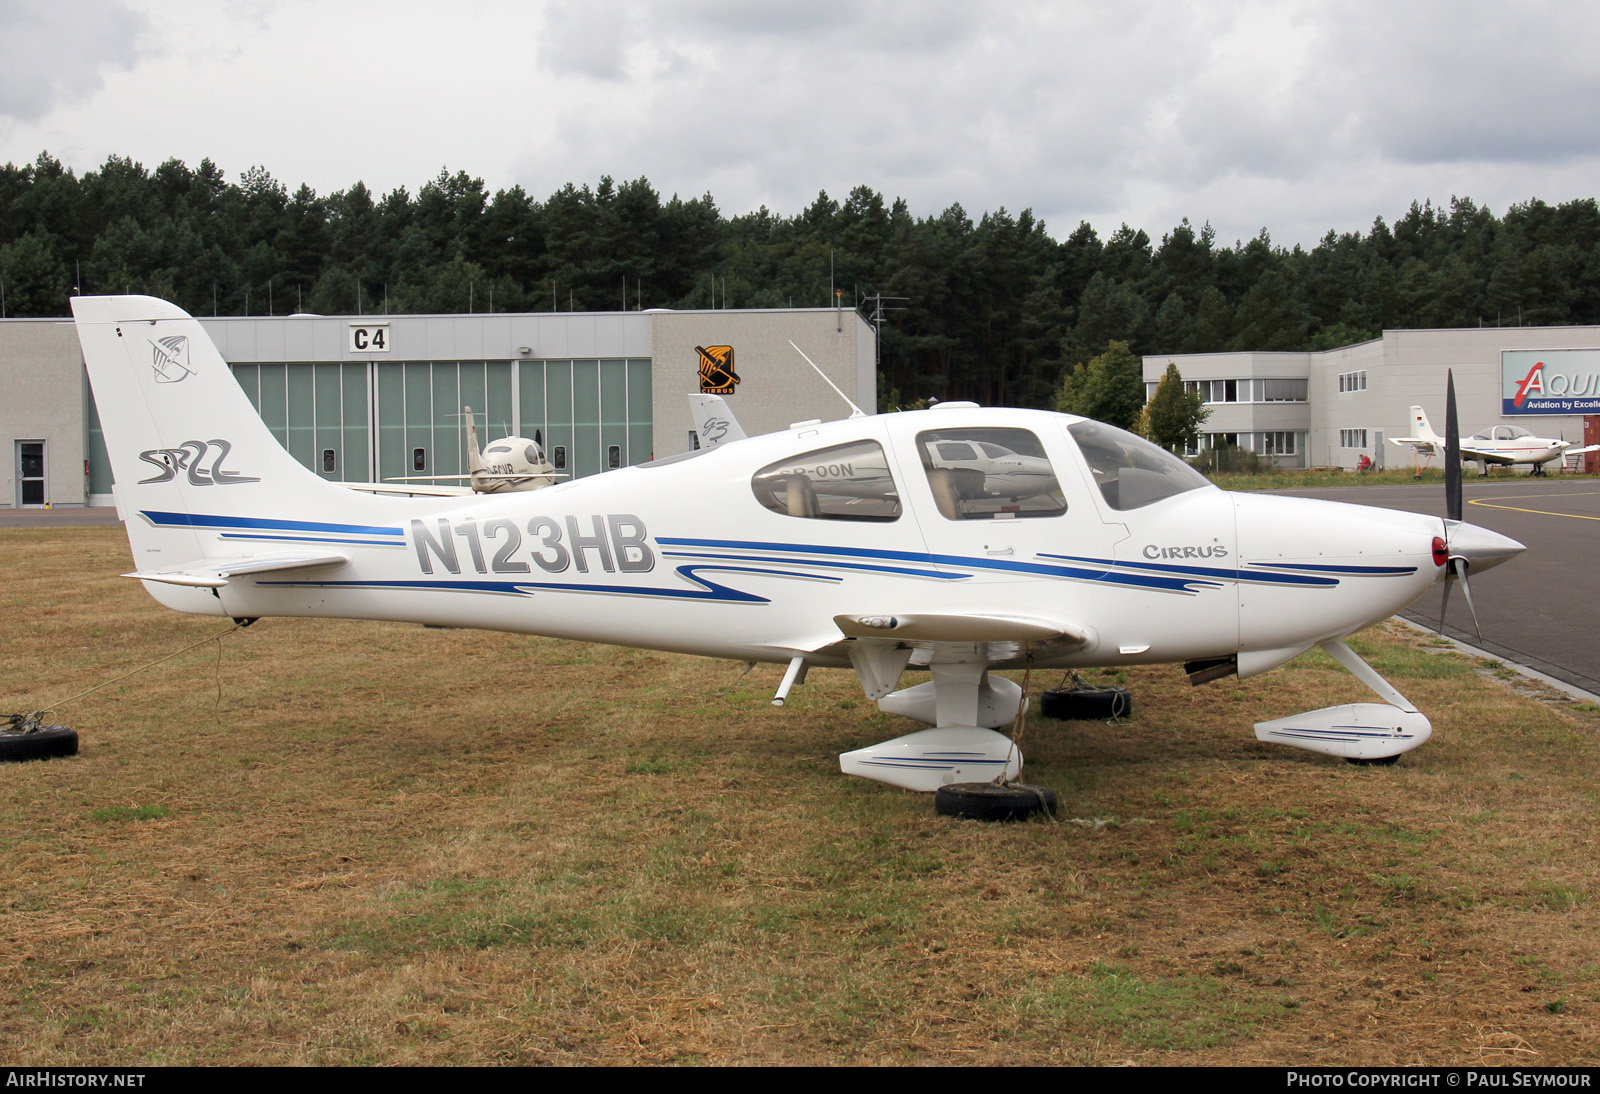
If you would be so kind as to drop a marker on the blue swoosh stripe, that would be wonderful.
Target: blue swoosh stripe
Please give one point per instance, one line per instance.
(823, 562)
(709, 590)
(1329, 569)
(203, 520)
(1210, 571)
(314, 539)
(1104, 573)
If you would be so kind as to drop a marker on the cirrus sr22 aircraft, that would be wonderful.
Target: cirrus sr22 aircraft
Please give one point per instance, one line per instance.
(864, 544)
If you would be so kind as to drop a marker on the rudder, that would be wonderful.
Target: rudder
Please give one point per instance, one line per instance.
(185, 444)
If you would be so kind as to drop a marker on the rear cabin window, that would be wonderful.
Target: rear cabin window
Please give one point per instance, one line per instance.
(845, 482)
(989, 474)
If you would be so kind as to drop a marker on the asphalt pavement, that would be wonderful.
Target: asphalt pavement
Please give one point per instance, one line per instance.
(1538, 609)
(77, 516)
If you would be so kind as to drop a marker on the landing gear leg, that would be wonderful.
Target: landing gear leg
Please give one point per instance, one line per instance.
(964, 705)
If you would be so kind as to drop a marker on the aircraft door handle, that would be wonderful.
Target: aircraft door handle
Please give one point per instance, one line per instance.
(1000, 551)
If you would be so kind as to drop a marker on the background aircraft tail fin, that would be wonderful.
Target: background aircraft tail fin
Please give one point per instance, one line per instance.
(714, 423)
(474, 453)
(1419, 424)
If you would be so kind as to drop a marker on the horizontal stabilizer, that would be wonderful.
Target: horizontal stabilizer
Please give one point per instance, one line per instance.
(211, 573)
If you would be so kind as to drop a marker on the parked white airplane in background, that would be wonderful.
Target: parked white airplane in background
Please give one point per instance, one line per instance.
(1504, 445)
(516, 464)
(772, 549)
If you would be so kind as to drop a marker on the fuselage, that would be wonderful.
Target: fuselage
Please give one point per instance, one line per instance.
(748, 551)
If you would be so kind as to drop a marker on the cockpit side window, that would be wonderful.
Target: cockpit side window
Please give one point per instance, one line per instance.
(1130, 471)
(989, 474)
(845, 482)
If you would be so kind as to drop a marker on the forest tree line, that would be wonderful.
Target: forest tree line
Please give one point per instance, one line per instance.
(994, 310)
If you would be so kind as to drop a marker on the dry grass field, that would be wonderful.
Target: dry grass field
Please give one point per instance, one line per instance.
(360, 843)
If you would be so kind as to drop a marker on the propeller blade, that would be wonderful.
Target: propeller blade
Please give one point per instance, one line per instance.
(1452, 451)
(1444, 604)
(1459, 565)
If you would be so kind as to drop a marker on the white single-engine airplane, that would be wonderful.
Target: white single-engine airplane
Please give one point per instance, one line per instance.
(1500, 444)
(773, 549)
(518, 464)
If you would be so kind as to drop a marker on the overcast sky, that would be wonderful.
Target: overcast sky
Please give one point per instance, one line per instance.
(1295, 117)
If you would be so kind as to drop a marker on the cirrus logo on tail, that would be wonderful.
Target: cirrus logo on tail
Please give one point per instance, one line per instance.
(170, 358)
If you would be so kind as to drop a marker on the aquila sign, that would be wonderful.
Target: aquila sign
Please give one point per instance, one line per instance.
(1550, 381)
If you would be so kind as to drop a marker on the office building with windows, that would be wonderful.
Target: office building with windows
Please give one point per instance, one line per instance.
(1331, 408)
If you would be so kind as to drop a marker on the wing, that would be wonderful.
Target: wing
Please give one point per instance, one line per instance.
(213, 573)
(1485, 454)
(985, 636)
(915, 628)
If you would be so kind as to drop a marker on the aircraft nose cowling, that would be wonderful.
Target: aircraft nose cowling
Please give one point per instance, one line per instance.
(1481, 548)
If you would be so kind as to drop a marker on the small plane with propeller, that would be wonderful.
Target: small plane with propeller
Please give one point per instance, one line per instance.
(861, 544)
(1502, 445)
(508, 465)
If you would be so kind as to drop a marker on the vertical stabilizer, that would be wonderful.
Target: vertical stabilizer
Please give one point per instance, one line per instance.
(714, 422)
(198, 474)
(1421, 429)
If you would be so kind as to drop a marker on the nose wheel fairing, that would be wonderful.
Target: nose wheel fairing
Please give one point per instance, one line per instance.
(1353, 731)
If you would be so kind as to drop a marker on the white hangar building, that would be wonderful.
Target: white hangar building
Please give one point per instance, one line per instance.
(366, 398)
(1328, 409)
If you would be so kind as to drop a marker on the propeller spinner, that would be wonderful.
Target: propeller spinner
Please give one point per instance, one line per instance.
(1466, 546)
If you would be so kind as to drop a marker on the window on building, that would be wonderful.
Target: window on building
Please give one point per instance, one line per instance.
(1278, 443)
(1353, 381)
(1283, 391)
(1352, 438)
(1226, 391)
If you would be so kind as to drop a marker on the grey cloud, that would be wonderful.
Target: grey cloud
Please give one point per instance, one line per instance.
(1505, 84)
(57, 53)
(587, 40)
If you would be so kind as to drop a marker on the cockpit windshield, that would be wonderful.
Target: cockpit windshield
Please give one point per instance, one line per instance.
(1130, 471)
(1501, 433)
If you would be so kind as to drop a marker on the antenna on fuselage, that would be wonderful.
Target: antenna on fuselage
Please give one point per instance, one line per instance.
(856, 412)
